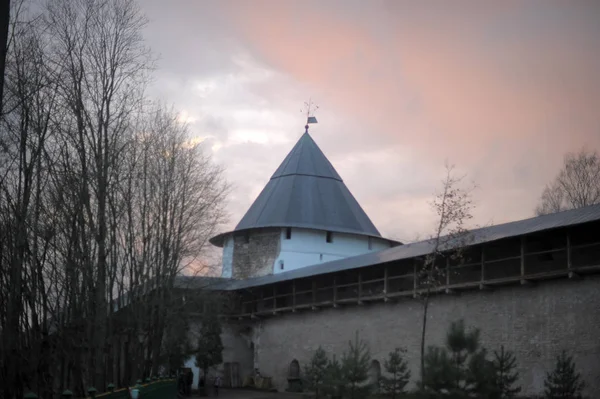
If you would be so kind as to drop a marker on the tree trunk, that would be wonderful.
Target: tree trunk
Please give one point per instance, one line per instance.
(4, 22)
(425, 308)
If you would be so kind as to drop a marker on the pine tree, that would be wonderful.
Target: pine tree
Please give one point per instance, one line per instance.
(397, 367)
(441, 373)
(480, 376)
(564, 381)
(315, 372)
(504, 364)
(334, 382)
(355, 367)
(176, 347)
(210, 347)
(461, 368)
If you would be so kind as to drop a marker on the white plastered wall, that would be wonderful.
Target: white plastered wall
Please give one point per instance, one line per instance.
(308, 247)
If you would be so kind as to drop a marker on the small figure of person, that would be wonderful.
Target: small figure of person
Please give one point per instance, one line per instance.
(217, 384)
(181, 384)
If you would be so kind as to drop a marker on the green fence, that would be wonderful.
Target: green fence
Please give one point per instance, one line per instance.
(162, 388)
(159, 389)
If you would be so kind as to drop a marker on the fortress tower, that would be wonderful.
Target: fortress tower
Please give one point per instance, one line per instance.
(308, 269)
(304, 216)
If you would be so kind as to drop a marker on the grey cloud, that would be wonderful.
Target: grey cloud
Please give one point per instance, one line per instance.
(190, 37)
(199, 42)
(215, 126)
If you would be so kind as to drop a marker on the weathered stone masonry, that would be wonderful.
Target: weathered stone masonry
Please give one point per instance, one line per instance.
(536, 321)
(255, 252)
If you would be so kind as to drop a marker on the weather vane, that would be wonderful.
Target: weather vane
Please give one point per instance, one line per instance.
(309, 108)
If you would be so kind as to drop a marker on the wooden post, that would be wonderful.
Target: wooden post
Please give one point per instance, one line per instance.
(482, 283)
(569, 266)
(314, 293)
(359, 287)
(334, 292)
(523, 281)
(293, 295)
(448, 290)
(572, 274)
(385, 283)
(258, 298)
(415, 278)
(447, 271)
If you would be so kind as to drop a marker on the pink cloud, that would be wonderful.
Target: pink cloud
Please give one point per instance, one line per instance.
(502, 89)
(499, 87)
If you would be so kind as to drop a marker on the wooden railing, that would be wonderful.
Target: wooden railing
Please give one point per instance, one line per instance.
(524, 267)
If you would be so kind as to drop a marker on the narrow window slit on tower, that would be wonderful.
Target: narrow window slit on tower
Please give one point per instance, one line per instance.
(288, 233)
(329, 236)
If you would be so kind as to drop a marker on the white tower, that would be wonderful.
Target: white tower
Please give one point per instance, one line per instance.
(305, 215)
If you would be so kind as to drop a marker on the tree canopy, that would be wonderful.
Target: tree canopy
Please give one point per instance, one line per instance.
(210, 347)
(576, 185)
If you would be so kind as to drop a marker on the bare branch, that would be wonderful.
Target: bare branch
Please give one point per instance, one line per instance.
(576, 185)
(453, 206)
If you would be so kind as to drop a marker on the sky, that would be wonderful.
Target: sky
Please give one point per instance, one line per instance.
(502, 90)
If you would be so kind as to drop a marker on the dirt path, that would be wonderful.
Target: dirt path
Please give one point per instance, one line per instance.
(250, 394)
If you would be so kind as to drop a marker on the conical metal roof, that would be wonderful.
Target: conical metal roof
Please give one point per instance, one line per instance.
(307, 159)
(306, 191)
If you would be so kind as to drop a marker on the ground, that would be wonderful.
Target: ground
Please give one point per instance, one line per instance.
(252, 394)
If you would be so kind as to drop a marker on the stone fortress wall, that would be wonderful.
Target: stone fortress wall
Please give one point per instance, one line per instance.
(535, 321)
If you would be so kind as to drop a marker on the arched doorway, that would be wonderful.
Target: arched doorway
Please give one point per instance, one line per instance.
(375, 375)
(294, 381)
(294, 371)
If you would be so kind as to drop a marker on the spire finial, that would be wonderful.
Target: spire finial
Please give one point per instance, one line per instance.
(309, 108)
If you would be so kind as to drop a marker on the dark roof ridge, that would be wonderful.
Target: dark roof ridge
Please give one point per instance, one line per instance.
(306, 191)
(479, 235)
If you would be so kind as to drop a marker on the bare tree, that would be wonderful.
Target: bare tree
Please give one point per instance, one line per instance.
(177, 199)
(98, 44)
(4, 24)
(103, 203)
(25, 235)
(453, 206)
(576, 185)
